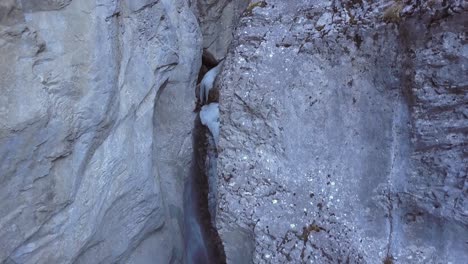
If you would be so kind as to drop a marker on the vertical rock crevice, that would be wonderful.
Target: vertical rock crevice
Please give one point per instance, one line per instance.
(203, 244)
(202, 241)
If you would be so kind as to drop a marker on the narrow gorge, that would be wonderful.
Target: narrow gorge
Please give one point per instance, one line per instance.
(233, 131)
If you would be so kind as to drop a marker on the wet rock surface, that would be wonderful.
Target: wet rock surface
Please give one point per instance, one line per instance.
(343, 133)
(203, 244)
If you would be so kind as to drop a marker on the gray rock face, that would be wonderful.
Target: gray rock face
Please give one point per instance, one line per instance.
(218, 19)
(95, 119)
(343, 129)
(344, 134)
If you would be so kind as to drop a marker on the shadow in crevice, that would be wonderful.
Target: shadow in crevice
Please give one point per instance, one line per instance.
(202, 241)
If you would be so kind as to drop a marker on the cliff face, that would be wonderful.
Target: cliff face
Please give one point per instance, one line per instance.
(95, 118)
(343, 129)
(344, 133)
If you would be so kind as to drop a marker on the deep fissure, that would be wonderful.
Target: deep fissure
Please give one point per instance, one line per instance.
(202, 241)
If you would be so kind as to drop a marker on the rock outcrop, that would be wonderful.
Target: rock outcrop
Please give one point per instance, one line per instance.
(344, 133)
(95, 120)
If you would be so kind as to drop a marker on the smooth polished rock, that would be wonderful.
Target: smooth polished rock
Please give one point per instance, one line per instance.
(95, 120)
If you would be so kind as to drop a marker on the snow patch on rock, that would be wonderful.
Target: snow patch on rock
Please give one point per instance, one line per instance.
(209, 116)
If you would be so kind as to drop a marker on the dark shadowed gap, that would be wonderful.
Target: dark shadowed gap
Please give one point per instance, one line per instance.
(208, 62)
(202, 241)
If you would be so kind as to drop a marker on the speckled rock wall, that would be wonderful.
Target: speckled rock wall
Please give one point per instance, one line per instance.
(343, 133)
(96, 108)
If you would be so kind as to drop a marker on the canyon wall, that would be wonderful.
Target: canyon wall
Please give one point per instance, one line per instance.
(344, 133)
(95, 120)
(343, 129)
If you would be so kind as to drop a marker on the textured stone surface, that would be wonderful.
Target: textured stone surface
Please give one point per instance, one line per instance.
(218, 19)
(95, 118)
(343, 133)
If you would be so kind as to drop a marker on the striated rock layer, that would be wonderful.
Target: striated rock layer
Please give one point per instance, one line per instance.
(344, 133)
(95, 119)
